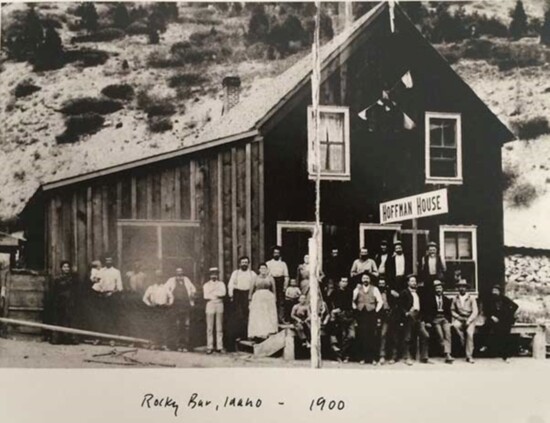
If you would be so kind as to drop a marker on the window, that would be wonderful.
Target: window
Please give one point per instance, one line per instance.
(158, 246)
(334, 143)
(293, 237)
(443, 148)
(459, 250)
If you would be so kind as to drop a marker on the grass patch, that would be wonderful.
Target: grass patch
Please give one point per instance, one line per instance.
(76, 126)
(532, 128)
(83, 105)
(86, 57)
(118, 91)
(160, 124)
(102, 35)
(186, 79)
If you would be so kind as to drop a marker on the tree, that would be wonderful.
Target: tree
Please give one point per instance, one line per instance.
(258, 26)
(50, 53)
(518, 26)
(121, 18)
(23, 37)
(89, 16)
(545, 29)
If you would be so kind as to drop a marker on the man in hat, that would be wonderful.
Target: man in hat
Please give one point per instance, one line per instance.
(364, 264)
(182, 294)
(410, 308)
(381, 259)
(499, 318)
(279, 272)
(214, 291)
(464, 312)
(436, 314)
(431, 267)
(397, 269)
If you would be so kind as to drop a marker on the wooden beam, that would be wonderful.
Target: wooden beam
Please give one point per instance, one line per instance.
(234, 204)
(261, 200)
(55, 328)
(192, 182)
(89, 225)
(219, 206)
(54, 234)
(248, 199)
(74, 210)
(177, 193)
(149, 202)
(105, 217)
(133, 198)
(119, 199)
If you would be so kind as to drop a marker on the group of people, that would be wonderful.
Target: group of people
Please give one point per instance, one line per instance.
(377, 312)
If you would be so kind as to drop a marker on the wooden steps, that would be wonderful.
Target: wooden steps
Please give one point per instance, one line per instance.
(283, 340)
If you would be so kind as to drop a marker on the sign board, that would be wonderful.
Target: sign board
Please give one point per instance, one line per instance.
(420, 205)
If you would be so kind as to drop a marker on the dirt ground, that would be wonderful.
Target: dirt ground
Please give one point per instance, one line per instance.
(34, 354)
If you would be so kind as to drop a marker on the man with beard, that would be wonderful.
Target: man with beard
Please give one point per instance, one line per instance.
(279, 272)
(409, 302)
(363, 265)
(340, 327)
(397, 267)
(436, 313)
(333, 268)
(465, 311)
(388, 325)
(381, 260)
(238, 289)
(500, 316)
(182, 300)
(432, 267)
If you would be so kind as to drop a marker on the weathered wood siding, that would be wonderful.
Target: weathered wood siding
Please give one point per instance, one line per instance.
(221, 189)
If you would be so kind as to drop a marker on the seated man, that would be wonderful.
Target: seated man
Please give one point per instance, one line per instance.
(499, 318)
(436, 313)
(464, 311)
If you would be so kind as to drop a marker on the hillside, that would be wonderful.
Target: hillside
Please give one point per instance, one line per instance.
(176, 91)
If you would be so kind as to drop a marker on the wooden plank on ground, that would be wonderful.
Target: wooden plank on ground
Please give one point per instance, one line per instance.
(271, 345)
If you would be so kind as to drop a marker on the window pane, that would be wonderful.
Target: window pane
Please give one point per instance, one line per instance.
(465, 245)
(450, 246)
(449, 134)
(139, 243)
(443, 168)
(332, 127)
(336, 160)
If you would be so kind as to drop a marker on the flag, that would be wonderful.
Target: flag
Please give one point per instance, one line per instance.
(407, 80)
(363, 113)
(408, 123)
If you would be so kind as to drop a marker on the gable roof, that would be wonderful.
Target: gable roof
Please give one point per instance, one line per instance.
(266, 97)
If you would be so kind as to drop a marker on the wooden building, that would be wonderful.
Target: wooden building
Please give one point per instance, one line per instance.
(245, 184)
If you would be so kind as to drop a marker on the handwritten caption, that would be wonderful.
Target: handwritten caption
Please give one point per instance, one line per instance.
(197, 402)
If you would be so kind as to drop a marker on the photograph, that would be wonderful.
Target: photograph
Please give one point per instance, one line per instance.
(331, 185)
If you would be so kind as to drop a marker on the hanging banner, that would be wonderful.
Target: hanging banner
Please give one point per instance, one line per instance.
(420, 205)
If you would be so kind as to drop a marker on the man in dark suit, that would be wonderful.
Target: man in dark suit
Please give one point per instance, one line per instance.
(436, 314)
(397, 268)
(410, 309)
(431, 267)
(381, 259)
(499, 318)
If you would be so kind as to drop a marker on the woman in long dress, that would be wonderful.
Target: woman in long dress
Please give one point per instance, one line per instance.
(262, 318)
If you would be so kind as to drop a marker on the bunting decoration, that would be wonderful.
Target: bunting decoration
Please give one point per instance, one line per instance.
(387, 105)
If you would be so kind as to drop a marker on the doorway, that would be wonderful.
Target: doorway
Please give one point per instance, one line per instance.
(372, 234)
(293, 237)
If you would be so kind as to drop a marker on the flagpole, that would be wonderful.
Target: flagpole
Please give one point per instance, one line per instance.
(315, 241)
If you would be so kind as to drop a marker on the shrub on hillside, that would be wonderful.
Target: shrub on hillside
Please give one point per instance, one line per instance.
(137, 28)
(86, 57)
(160, 109)
(258, 25)
(88, 15)
(103, 35)
(545, 28)
(121, 17)
(510, 56)
(509, 177)
(522, 195)
(478, 49)
(50, 54)
(118, 91)
(79, 106)
(75, 126)
(186, 79)
(160, 124)
(25, 88)
(532, 128)
(518, 26)
(24, 35)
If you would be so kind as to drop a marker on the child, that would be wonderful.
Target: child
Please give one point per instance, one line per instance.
(292, 294)
(95, 276)
(301, 317)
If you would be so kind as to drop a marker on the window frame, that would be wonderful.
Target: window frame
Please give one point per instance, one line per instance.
(397, 227)
(472, 229)
(457, 180)
(304, 226)
(330, 176)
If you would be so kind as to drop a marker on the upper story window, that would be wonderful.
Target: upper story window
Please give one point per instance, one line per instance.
(334, 143)
(443, 148)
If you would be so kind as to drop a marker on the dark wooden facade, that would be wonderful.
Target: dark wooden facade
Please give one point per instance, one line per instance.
(236, 194)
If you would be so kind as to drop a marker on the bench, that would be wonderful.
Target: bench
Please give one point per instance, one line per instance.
(538, 332)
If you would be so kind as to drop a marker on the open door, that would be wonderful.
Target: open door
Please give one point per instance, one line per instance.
(293, 238)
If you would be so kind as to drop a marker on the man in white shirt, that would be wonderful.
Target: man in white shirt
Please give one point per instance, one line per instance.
(410, 305)
(238, 288)
(182, 302)
(214, 291)
(111, 280)
(279, 272)
(158, 298)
